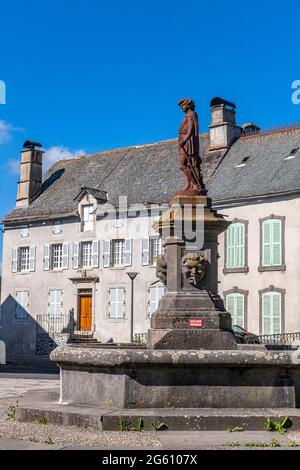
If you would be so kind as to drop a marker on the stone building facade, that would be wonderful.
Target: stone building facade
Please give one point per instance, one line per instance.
(71, 241)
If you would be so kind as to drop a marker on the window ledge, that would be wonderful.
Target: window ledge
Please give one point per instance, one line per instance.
(118, 267)
(272, 268)
(116, 320)
(236, 270)
(22, 273)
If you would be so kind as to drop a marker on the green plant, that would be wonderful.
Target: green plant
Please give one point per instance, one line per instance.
(11, 411)
(123, 424)
(33, 439)
(256, 444)
(139, 425)
(293, 444)
(274, 443)
(49, 440)
(236, 429)
(233, 444)
(159, 426)
(41, 420)
(280, 426)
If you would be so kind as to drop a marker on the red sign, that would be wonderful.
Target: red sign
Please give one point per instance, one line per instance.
(195, 323)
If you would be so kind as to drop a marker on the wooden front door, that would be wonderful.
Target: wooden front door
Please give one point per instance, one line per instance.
(85, 312)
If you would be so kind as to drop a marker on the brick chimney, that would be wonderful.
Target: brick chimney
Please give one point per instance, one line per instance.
(30, 173)
(223, 129)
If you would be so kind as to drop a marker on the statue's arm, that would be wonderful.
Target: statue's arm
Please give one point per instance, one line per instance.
(189, 134)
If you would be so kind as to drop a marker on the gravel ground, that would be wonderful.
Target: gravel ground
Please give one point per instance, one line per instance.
(61, 436)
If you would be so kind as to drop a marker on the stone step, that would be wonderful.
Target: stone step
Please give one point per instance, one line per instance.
(200, 419)
(41, 404)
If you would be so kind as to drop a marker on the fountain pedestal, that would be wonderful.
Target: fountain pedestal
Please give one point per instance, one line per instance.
(191, 314)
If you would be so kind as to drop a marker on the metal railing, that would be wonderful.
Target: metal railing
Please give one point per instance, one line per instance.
(279, 338)
(82, 336)
(55, 324)
(140, 338)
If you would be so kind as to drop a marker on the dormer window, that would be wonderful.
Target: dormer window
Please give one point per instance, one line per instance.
(292, 153)
(87, 217)
(243, 162)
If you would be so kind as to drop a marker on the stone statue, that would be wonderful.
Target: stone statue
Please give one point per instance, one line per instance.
(161, 268)
(188, 152)
(193, 268)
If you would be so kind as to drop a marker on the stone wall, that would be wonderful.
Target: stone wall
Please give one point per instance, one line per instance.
(45, 343)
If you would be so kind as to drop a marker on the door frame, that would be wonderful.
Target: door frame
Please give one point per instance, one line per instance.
(85, 294)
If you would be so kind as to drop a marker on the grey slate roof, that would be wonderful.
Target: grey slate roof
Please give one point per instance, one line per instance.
(265, 172)
(146, 173)
(149, 173)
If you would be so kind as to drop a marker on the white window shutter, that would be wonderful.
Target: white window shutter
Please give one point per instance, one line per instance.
(145, 251)
(15, 260)
(32, 258)
(106, 253)
(276, 243)
(276, 313)
(121, 302)
(266, 314)
(46, 261)
(75, 255)
(95, 254)
(65, 256)
(152, 300)
(51, 303)
(128, 252)
(59, 302)
(266, 255)
(239, 313)
(22, 304)
(230, 247)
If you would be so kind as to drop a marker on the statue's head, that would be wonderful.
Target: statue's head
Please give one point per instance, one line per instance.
(186, 104)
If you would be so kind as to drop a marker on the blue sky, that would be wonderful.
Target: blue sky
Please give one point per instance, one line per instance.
(91, 75)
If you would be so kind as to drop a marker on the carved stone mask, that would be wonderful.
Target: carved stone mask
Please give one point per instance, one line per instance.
(193, 268)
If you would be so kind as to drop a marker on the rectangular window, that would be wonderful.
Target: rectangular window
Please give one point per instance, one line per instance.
(22, 304)
(155, 294)
(235, 246)
(271, 249)
(116, 302)
(88, 217)
(57, 227)
(24, 256)
(57, 256)
(118, 252)
(86, 254)
(55, 303)
(271, 313)
(156, 248)
(235, 305)
(24, 232)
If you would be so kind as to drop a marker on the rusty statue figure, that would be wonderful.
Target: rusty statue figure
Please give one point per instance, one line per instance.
(188, 141)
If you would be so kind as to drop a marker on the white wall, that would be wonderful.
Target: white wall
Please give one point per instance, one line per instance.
(253, 281)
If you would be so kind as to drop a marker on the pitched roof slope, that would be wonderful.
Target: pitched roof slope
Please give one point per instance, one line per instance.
(149, 173)
(146, 173)
(266, 171)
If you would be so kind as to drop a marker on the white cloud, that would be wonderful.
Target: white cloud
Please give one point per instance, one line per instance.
(6, 130)
(51, 155)
(59, 152)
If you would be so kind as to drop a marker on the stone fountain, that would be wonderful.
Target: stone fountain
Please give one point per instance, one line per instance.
(192, 374)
